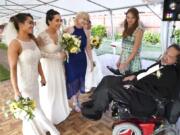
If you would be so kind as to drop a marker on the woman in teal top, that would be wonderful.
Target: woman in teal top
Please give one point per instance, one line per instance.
(129, 60)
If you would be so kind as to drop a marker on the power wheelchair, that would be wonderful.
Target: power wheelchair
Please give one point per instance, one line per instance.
(162, 122)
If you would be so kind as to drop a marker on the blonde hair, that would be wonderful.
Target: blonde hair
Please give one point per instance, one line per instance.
(83, 15)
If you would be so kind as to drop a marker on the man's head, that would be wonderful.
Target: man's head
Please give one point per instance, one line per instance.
(172, 55)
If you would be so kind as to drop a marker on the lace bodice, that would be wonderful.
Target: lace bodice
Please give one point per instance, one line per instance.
(27, 66)
(48, 44)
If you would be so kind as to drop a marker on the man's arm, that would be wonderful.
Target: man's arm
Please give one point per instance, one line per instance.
(131, 77)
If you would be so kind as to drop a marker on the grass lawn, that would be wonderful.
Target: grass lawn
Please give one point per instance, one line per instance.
(4, 74)
(3, 46)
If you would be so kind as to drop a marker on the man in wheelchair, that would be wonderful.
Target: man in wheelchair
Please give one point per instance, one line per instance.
(139, 93)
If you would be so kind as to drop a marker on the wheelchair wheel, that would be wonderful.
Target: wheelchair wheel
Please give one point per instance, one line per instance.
(126, 129)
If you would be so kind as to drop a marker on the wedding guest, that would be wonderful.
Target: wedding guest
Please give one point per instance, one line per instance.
(77, 63)
(24, 60)
(132, 35)
(53, 96)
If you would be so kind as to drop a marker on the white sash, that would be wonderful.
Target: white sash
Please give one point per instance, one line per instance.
(149, 71)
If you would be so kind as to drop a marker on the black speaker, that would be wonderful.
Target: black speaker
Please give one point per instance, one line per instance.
(171, 10)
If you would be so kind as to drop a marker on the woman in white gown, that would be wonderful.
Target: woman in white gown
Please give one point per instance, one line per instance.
(92, 78)
(24, 57)
(53, 96)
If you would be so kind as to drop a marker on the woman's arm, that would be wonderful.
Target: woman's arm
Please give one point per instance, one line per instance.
(43, 80)
(88, 48)
(14, 50)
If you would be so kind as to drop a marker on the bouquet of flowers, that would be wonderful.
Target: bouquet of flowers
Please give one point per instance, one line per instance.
(95, 42)
(70, 43)
(21, 109)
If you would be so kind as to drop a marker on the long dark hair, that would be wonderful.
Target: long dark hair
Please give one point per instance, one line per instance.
(50, 15)
(19, 18)
(129, 31)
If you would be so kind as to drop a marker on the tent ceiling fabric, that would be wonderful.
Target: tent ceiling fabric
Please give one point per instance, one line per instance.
(38, 8)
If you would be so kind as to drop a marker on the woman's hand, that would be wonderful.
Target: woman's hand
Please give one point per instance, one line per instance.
(62, 55)
(118, 64)
(43, 81)
(123, 66)
(92, 65)
(17, 94)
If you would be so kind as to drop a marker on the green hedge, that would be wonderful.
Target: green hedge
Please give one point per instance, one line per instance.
(4, 73)
(118, 36)
(177, 36)
(99, 30)
(3, 45)
(151, 37)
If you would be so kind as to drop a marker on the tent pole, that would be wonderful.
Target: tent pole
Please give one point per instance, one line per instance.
(112, 26)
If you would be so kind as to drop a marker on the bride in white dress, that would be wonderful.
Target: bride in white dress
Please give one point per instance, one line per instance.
(24, 57)
(53, 96)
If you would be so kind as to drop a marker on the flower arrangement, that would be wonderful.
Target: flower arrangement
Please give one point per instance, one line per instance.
(95, 42)
(22, 108)
(70, 43)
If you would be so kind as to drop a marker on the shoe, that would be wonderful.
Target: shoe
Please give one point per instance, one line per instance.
(91, 114)
(114, 71)
(87, 104)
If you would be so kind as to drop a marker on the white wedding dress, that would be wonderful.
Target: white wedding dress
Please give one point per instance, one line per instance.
(53, 96)
(27, 74)
(93, 78)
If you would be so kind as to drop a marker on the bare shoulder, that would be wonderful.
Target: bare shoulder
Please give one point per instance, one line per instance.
(139, 32)
(15, 45)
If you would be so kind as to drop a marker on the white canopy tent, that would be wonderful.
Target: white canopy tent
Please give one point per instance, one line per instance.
(66, 7)
(38, 9)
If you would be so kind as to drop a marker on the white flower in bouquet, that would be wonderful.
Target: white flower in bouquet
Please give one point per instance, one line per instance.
(70, 43)
(66, 35)
(22, 108)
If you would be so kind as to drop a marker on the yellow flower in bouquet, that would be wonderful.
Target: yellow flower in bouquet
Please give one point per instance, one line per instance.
(22, 108)
(95, 42)
(70, 43)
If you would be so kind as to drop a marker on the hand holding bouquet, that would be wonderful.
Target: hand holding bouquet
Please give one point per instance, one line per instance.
(70, 43)
(95, 42)
(21, 109)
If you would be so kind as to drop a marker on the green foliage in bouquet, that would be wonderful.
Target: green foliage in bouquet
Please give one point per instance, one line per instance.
(150, 37)
(22, 108)
(99, 31)
(70, 43)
